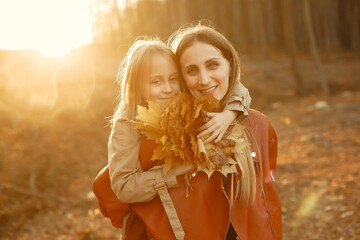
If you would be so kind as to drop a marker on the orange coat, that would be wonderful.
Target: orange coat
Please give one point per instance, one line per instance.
(206, 213)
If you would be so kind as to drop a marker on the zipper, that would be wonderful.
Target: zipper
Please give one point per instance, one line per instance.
(265, 200)
(229, 222)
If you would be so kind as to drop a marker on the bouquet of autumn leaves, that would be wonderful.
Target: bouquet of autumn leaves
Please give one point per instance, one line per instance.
(173, 126)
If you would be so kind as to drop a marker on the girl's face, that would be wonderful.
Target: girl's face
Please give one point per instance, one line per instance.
(205, 70)
(163, 81)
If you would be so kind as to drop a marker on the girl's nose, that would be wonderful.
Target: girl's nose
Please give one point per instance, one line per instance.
(167, 87)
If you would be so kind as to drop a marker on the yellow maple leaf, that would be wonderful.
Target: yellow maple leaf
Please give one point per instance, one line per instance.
(237, 133)
(226, 169)
(167, 165)
(158, 153)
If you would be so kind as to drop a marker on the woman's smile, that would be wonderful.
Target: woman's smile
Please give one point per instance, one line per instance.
(208, 91)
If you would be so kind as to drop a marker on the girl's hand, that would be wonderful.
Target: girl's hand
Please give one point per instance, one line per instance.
(217, 125)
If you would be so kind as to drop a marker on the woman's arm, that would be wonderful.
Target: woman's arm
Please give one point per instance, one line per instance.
(239, 99)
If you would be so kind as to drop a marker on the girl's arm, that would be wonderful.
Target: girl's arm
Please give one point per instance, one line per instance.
(128, 181)
(218, 123)
(239, 100)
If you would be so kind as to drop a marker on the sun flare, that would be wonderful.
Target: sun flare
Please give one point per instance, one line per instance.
(52, 27)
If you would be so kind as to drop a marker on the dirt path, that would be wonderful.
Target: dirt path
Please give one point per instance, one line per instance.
(318, 166)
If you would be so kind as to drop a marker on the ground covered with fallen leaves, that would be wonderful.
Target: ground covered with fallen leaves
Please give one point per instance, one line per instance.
(47, 164)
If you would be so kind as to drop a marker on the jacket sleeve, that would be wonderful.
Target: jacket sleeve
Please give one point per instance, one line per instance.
(128, 181)
(239, 99)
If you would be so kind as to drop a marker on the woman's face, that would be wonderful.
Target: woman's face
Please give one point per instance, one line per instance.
(163, 81)
(205, 70)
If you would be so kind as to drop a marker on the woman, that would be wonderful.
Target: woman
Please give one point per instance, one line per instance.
(210, 65)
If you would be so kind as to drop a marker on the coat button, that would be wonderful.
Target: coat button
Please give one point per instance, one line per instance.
(253, 154)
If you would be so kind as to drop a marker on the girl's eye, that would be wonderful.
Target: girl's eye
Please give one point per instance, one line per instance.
(155, 82)
(174, 79)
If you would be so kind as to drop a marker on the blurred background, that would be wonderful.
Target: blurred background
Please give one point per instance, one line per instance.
(58, 65)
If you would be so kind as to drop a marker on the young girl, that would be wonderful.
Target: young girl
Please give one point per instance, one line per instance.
(150, 71)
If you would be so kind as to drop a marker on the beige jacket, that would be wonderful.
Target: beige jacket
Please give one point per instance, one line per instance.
(128, 181)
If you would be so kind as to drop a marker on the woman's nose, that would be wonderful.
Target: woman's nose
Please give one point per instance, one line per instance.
(204, 78)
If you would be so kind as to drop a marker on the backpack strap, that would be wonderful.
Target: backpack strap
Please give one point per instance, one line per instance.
(170, 210)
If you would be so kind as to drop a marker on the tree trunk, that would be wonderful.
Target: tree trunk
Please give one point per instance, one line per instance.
(236, 23)
(355, 27)
(251, 21)
(313, 48)
(172, 14)
(269, 20)
(333, 24)
(182, 11)
(261, 30)
(291, 46)
(245, 31)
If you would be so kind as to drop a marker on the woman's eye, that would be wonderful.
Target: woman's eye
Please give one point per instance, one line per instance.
(191, 71)
(213, 65)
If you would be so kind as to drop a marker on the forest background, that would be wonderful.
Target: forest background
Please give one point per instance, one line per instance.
(299, 59)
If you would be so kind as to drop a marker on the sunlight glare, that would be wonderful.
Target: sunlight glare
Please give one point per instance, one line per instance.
(53, 27)
(308, 204)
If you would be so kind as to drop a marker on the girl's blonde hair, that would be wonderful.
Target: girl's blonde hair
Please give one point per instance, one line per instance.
(133, 70)
(183, 39)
